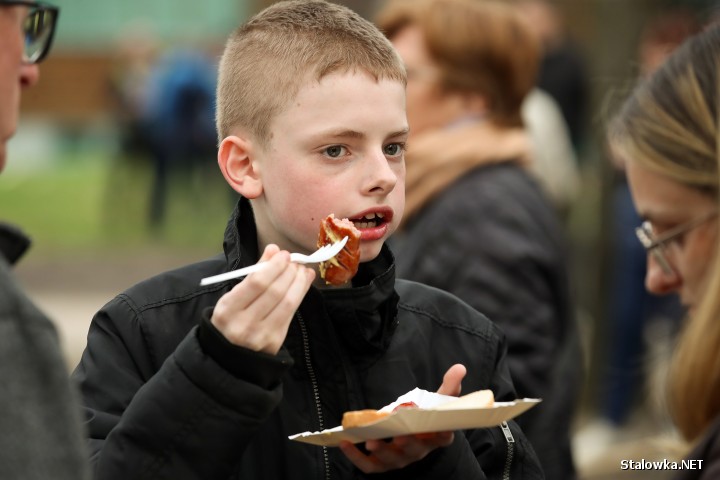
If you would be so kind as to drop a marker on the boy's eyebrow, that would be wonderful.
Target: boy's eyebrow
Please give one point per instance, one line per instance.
(349, 133)
(346, 134)
(400, 133)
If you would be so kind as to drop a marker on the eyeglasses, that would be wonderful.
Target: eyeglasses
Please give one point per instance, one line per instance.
(657, 245)
(38, 28)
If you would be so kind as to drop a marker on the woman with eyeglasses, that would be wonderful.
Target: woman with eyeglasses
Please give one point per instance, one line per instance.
(40, 431)
(667, 134)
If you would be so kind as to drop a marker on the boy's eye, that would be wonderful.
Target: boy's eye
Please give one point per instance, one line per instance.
(335, 151)
(394, 149)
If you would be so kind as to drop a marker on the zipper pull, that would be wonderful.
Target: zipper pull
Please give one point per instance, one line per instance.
(508, 434)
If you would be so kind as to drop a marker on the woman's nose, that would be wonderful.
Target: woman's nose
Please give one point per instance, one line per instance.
(658, 281)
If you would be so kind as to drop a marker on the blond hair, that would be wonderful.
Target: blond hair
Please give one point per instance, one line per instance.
(489, 49)
(269, 58)
(670, 125)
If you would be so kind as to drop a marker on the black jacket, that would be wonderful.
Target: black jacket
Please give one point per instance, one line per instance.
(166, 399)
(493, 240)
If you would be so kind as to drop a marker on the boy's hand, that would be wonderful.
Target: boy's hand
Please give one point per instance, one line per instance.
(399, 453)
(257, 312)
(404, 450)
(452, 380)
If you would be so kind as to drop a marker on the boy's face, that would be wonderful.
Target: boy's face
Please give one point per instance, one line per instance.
(337, 148)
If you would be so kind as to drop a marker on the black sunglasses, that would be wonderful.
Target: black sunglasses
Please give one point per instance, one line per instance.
(38, 28)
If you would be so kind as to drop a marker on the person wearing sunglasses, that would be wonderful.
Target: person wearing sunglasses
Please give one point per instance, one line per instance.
(41, 435)
(667, 134)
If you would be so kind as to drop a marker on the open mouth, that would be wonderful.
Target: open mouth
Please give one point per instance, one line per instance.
(370, 220)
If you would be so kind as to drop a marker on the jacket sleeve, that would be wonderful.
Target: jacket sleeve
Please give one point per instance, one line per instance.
(190, 419)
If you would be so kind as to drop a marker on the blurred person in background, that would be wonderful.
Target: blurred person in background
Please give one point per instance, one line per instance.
(554, 129)
(135, 54)
(562, 71)
(554, 162)
(40, 429)
(478, 224)
(179, 121)
(666, 135)
(637, 319)
(164, 106)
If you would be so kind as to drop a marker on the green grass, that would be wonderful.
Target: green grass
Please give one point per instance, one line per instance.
(95, 204)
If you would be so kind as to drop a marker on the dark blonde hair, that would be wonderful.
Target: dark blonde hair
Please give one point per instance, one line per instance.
(480, 46)
(269, 58)
(669, 124)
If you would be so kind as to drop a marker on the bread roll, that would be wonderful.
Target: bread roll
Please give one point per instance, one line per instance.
(358, 418)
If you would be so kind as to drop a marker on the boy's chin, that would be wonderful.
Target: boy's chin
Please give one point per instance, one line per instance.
(370, 250)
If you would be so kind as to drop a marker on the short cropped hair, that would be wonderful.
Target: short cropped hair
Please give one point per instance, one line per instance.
(481, 47)
(268, 59)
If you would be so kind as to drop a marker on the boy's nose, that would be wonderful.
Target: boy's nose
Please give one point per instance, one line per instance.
(382, 177)
(658, 281)
(29, 75)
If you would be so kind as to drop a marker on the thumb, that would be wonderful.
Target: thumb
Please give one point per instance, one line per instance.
(452, 380)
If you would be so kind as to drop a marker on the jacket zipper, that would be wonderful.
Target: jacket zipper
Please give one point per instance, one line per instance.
(316, 389)
(510, 450)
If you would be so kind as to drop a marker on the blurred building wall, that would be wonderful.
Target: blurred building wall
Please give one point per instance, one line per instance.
(91, 25)
(74, 80)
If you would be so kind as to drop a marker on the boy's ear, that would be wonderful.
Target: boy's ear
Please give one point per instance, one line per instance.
(235, 159)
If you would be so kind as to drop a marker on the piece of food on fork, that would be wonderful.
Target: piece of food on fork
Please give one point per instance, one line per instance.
(343, 266)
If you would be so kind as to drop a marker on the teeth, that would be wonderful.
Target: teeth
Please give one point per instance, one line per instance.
(369, 220)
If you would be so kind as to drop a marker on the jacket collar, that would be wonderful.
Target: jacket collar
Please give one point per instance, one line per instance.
(363, 315)
(13, 243)
(241, 251)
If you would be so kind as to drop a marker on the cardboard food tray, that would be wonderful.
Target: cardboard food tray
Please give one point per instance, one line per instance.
(444, 415)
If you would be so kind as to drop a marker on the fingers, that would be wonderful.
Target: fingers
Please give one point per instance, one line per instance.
(248, 291)
(404, 450)
(452, 380)
(278, 319)
(270, 250)
(272, 289)
(399, 453)
(257, 312)
(365, 463)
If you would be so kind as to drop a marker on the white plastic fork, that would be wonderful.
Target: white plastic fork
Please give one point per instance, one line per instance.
(323, 253)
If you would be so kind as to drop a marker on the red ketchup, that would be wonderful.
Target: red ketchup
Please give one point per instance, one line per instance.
(406, 405)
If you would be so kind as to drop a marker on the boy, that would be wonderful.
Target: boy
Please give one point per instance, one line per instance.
(311, 116)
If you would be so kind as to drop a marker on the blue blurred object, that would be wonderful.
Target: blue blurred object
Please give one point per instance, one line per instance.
(179, 119)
